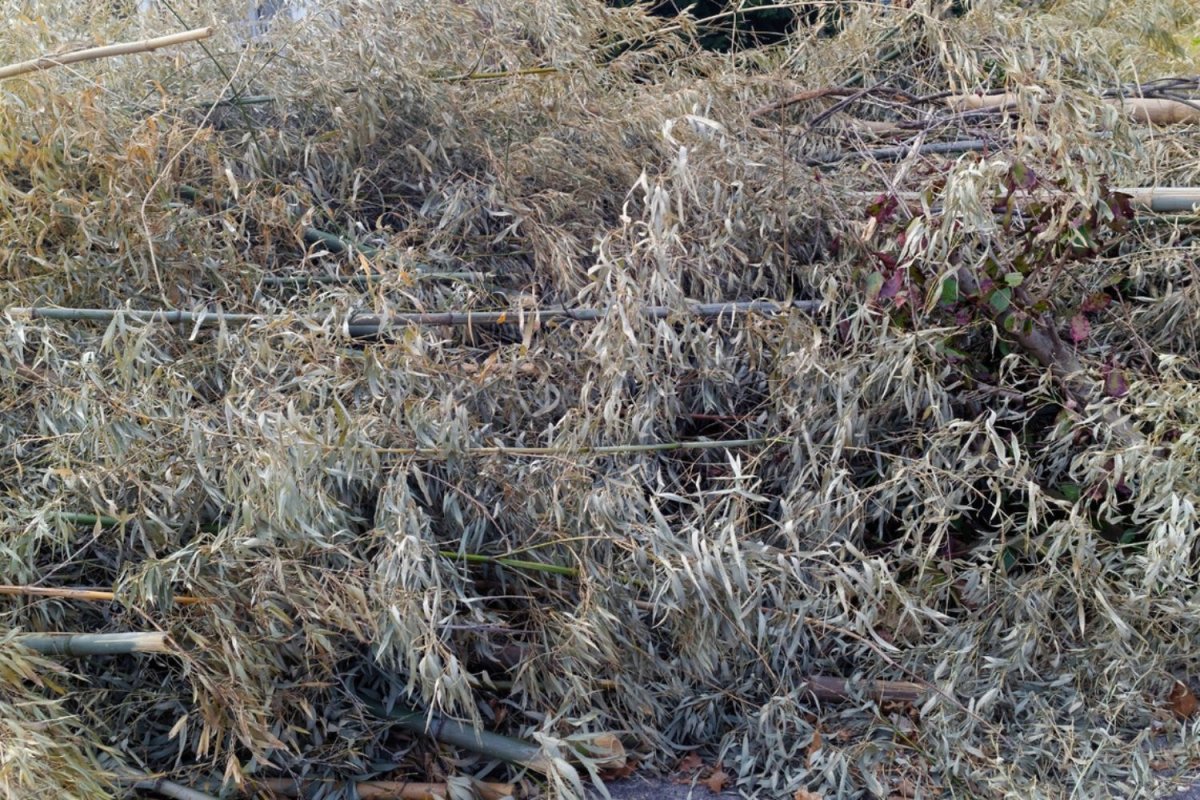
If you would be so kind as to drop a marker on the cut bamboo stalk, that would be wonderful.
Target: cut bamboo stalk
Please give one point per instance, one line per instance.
(1147, 110)
(385, 790)
(1160, 199)
(605, 749)
(95, 644)
(824, 687)
(460, 734)
(332, 241)
(375, 325)
(159, 785)
(92, 595)
(107, 51)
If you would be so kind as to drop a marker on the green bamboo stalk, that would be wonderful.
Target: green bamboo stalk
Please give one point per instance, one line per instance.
(335, 243)
(365, 280)
(474, 558)
(105, 521)
(459, 734)
(374, 325)
(95, 644)
(166, 788)
(515, 563)
(86, 519)
(240, 100)
(601, 450)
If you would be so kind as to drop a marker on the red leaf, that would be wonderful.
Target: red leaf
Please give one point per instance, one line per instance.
(1080, 328)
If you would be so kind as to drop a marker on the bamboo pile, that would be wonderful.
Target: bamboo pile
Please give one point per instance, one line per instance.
(502, 400)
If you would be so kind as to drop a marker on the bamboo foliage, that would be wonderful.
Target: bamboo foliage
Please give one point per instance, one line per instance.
(721, 432)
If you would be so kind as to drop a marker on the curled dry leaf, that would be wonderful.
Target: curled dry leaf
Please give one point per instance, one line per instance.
(1183, 700)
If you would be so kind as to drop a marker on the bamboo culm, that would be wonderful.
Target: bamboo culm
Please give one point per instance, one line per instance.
(375, 325)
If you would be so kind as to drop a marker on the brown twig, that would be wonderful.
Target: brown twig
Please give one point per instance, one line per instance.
(799, 97)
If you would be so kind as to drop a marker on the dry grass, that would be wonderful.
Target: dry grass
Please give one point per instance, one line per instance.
(914, 513)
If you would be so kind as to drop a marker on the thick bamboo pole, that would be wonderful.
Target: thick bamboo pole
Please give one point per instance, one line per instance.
(95, 644)
(460, 734)
(108, 51)
(1147, 110)
(1156, 199)
(91, 595)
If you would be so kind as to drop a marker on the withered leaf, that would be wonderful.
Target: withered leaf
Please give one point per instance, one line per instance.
(1183, 700)
(717, 780)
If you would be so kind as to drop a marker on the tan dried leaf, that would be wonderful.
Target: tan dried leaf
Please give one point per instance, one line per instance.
(813, 747)
(717, 780)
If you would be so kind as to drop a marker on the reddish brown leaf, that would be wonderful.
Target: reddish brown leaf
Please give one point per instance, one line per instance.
(1183, 701)
(805, 794)
(813, 747)
(618, 773)
(717, 781)
(1096, 302)
(688, 766)
(1080, 328)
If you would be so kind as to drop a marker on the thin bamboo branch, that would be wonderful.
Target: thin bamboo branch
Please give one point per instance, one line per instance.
(365, 280)
(107, 51)
(374, 325)
(494, 76)
(904, 151)
(384, 790)
(602, 450)
(515, 563)
(95, 644)
(113, 522)
(91, 595)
